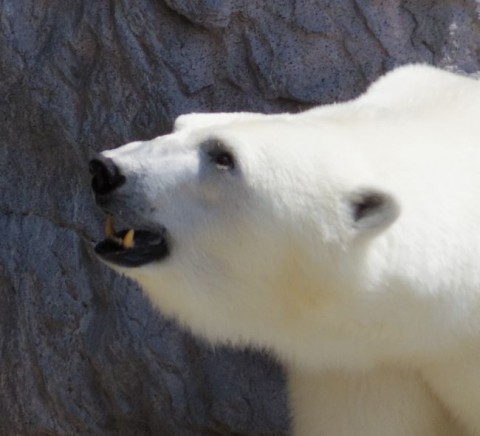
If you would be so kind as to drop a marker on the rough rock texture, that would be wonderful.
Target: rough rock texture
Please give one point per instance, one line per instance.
(81, 350)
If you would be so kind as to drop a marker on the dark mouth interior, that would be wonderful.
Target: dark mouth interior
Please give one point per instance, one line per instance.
(146, 247)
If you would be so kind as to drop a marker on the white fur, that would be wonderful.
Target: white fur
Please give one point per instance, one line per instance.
(378, 320)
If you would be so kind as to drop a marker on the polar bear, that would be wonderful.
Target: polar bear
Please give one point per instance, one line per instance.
(345, 239)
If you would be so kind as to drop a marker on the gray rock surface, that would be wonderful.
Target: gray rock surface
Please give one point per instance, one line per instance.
(81, 350)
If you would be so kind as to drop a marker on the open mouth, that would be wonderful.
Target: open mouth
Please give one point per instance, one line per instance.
(132, 247)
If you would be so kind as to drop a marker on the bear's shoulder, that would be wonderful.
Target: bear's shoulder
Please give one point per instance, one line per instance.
(419, 85)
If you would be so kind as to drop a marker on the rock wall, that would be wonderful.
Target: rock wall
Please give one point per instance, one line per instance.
(81, 350)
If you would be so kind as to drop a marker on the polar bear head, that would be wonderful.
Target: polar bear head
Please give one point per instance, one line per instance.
(244, 226)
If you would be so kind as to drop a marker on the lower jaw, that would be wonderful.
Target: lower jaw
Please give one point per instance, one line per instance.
(147, 247)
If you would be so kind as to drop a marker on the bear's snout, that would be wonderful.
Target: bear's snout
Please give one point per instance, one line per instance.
(106, 175)
(139, 243)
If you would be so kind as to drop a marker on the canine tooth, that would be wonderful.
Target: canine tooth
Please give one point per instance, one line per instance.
(128, 239)
(109, 228)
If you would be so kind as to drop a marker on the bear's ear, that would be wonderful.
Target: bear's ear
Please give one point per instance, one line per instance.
(371, 209)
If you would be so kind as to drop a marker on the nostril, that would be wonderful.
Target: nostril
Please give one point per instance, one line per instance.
(95, 166)
(106, 175)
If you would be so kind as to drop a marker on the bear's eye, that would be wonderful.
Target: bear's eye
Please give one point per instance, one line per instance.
(223, 159)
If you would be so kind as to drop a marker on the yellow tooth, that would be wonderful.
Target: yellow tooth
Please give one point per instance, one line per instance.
(109, 228)
(128, 241)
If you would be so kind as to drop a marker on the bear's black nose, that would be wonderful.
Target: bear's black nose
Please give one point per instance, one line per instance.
(106, 175)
